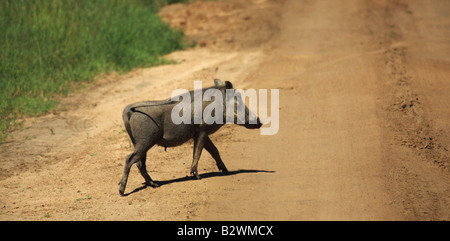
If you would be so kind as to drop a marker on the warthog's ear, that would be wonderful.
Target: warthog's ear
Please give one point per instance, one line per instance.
(218, 82)
(228, 85)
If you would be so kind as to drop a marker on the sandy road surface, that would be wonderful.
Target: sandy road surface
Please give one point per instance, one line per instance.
(364, 131)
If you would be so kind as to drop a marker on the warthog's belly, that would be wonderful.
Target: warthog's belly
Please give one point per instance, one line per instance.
(175, 135)
(172, 142)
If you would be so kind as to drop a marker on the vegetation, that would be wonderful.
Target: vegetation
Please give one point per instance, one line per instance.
(48, 47)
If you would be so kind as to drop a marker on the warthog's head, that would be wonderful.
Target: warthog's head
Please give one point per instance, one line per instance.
(236, 111)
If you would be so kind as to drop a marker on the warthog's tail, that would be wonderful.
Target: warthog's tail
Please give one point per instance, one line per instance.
(126, 115)
(130, 109)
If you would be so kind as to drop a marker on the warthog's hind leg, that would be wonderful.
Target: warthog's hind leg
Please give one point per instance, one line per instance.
(145, 133)
(143, 169)
(135, 157)
(126, 171)
(209, 146)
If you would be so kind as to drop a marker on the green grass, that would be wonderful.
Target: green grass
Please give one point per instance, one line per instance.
(87, 198)
(48, 47)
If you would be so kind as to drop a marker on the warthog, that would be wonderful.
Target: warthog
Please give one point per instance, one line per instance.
(151, 122)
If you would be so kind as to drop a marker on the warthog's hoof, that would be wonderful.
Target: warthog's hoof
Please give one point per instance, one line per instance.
(121, 188)
(194, 173)
(152, 184)
(196, 176)
(122, 191)
(225, 171)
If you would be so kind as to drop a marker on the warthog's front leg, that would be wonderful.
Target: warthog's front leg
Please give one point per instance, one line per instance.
(199, 143)
(209, 146)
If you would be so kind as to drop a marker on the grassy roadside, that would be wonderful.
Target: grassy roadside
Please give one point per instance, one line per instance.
(47, 46)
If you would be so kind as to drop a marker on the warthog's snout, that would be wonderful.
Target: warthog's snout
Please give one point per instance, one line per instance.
(259, 124)
(254, 126)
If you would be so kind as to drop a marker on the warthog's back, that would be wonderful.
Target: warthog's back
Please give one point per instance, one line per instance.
(150, 103)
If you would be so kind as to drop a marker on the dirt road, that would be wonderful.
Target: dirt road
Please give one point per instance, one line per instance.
(364, 130)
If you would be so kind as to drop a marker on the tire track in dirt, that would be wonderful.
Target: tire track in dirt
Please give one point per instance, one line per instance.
(327, 157)
(405, 104)
(416, 185)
